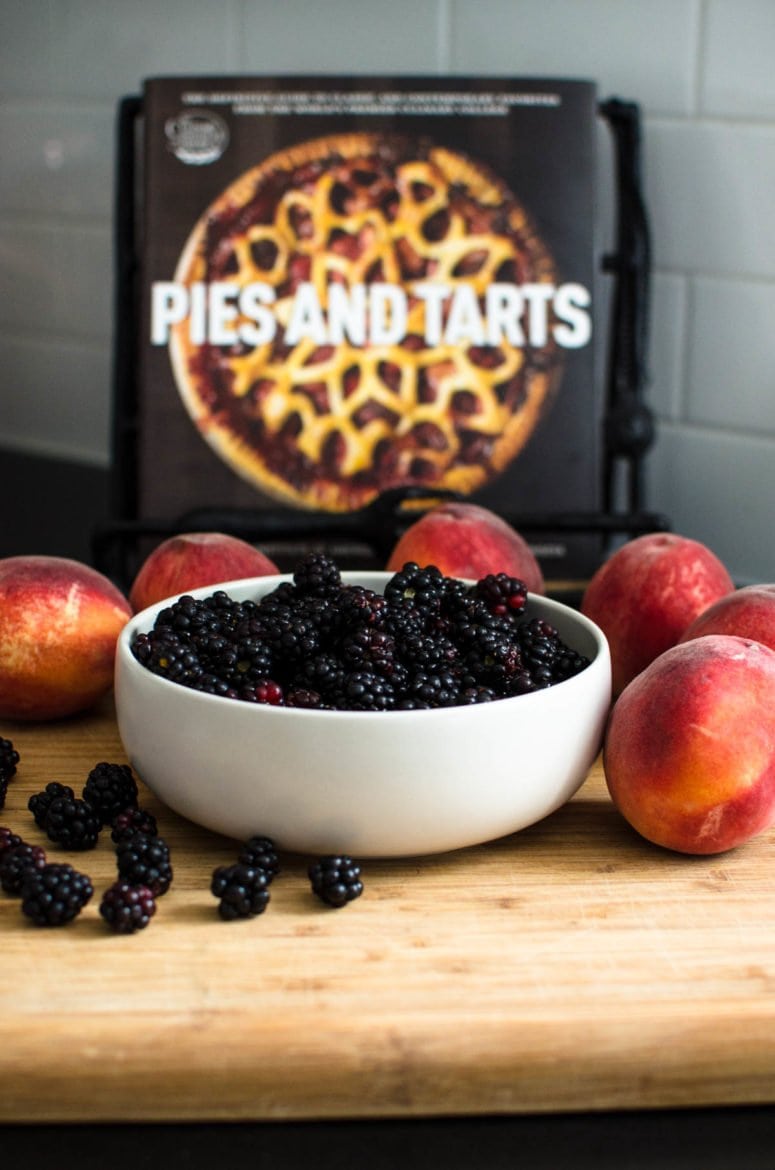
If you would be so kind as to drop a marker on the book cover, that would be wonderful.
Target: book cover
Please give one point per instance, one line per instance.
(351, 285)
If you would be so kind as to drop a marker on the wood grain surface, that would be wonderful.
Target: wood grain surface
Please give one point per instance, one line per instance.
(571, 966)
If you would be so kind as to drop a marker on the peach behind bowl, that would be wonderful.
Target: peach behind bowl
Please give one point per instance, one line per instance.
(370, 784)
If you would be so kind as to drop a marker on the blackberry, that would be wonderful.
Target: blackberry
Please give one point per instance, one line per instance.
(127, 908)
(235, 664)
(567, 664)
(166, 655)
(541, 646)
(9, 758)
(242, 890)
(363, 690)
(39, 802)
(434, 689)
(9, 839)
(260, 853)
(291, 639)
(503, 595)
(493, 657)
(368, 648)
(72, 823)
(55, 894)
(336, 879)
(423, 587)
(359, 606)
(15, 863)
(133, 820)
(323, 673)
(428, 652)
(145, 861)
(317, 575)
(109, 789)
(3, 789)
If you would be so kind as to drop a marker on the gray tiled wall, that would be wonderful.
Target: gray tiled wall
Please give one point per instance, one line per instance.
(701, 69)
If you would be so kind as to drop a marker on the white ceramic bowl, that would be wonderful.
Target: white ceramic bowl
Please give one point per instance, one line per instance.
(370, 784)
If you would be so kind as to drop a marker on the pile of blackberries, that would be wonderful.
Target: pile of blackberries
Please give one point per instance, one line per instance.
(313, 641)
(54, 893)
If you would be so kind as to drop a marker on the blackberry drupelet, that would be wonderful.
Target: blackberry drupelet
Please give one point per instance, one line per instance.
(145, 861)
(260, 853)
(72, 824)
(133, 820)
(127, 908)
(336, 879)
(109, 789)
(317, 575)
(242, 890)
(39, 802)
(16, 862)
(55, 894)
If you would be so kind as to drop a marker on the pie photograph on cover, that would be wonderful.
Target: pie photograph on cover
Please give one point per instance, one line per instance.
(375, 345)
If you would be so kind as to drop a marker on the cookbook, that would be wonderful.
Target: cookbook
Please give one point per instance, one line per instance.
(351, 285)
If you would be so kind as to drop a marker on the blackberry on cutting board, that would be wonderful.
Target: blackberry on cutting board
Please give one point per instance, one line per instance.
(145, 861)
(109, 789)
(16, 862)
(336, 879)
(72, 824)
(133, 820)
(260, 853)
(242, 890)
(55, 894)
(127, 908)
(40, 802)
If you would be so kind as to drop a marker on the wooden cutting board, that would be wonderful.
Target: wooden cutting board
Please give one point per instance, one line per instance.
(571, 966)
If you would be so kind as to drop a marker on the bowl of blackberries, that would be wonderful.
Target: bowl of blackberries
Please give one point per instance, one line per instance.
(369, 713)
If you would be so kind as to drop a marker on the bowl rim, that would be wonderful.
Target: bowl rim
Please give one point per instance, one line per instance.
(145, 617)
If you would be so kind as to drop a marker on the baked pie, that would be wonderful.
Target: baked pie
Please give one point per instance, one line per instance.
(365, 329)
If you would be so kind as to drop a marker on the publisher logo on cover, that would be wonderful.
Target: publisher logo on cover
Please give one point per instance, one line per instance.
(197, 138)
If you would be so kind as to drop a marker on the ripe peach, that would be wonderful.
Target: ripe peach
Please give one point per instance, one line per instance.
(689, 752)
(195, 559)
(59, 621)
(466, 540)
(749, 612)
(646, 594)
